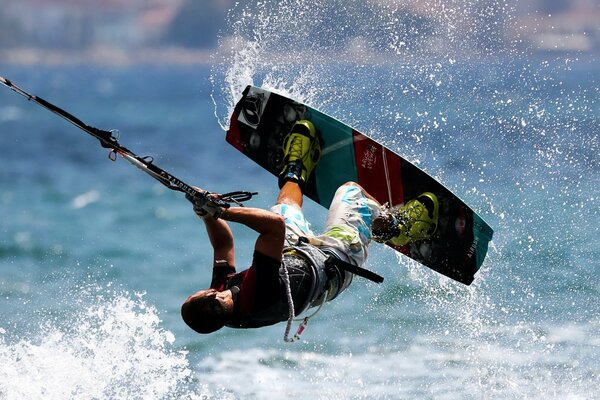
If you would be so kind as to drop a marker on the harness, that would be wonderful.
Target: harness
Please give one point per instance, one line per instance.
(330, 277)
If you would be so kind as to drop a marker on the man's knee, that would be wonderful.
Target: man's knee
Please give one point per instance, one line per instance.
(351, 183)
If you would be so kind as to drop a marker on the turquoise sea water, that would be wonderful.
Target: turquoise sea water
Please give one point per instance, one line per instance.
(96, 257)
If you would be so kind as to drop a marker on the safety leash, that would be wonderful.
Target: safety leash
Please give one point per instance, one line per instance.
(329, 262)
(292, 313)
(292, 316)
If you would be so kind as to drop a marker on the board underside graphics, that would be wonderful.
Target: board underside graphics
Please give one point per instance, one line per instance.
(262, 119)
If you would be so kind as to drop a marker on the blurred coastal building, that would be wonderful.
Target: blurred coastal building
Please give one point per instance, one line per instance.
(561, 25)
(75, 25)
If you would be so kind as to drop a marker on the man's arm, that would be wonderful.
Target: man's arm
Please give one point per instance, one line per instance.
(221, 239)
(270, 226)
(219, 234)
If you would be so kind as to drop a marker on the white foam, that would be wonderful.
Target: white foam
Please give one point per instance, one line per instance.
(115, 348)
(85, 199)
(431, 367)
(10, 113)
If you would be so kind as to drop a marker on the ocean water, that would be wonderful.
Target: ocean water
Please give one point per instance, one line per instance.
(96, 258)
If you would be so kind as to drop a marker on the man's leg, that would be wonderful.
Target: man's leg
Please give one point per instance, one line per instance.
(290, 194)
(289, 206)
(348, 225)
(301, 154)
(302, 151)
(416, 220)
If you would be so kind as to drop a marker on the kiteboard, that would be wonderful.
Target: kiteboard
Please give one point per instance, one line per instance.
(262, 119)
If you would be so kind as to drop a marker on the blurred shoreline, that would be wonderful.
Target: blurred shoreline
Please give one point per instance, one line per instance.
(107, 56)
(183, 56)
(189, 32)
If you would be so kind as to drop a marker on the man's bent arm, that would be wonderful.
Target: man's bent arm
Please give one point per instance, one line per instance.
(221, 239)
(270, 226)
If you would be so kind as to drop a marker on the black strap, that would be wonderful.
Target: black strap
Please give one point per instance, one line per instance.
(362, 272)
(353, 269)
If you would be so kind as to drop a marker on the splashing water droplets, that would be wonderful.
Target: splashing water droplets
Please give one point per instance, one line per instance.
(443, 85)
(113, 345)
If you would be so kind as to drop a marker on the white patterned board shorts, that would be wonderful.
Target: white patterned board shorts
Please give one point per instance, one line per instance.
(347, 229)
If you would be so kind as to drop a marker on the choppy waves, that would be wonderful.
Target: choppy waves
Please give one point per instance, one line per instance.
(112, 345)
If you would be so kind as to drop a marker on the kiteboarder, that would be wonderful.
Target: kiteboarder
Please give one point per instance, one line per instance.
(292, 268)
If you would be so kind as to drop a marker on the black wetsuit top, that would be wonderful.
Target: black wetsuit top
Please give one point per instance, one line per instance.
(261, 299)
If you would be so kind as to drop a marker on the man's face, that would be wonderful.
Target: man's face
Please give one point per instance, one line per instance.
(223, 297)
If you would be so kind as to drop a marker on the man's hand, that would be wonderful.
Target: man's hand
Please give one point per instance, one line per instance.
(203, 204)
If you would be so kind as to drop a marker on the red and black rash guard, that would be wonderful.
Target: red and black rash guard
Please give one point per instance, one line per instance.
(261, 299)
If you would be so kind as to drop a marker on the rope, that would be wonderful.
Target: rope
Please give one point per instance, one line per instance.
(288, 291)
(292, 314)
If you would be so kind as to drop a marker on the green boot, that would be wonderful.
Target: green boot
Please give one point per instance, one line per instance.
(302, 152)
(416, 220)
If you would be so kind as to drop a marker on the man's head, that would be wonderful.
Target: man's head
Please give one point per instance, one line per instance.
(208, 310)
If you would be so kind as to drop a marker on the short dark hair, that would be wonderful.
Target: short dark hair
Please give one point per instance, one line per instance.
(204, 313)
